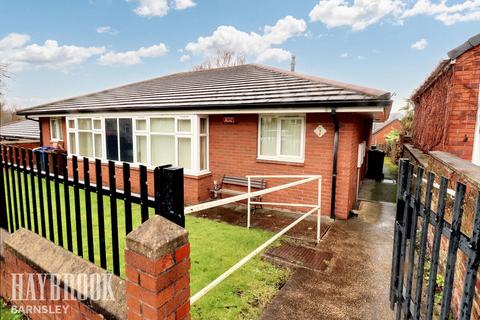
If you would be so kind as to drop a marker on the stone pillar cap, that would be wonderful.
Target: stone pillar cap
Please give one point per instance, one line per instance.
(156, 237)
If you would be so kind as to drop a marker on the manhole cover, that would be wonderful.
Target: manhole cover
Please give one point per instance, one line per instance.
(299, 256)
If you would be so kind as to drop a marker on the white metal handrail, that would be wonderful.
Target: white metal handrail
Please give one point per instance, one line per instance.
(248, 196)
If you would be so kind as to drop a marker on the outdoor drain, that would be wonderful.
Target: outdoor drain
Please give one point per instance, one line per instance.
(299, 256)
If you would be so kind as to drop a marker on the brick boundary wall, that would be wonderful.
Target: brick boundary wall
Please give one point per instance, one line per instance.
(157, 284)
(157, 259)
(25, 252)
(456, 170)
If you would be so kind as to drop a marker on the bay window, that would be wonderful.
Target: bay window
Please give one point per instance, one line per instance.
(153, 141)
(281, 138)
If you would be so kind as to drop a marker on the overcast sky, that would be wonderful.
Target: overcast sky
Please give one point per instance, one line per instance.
(57, 49)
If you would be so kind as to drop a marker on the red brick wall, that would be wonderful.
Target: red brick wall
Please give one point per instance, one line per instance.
(445, 114)
(196, 188)
(379, 136)
(233, 151)
(68, 309)
(46, 136)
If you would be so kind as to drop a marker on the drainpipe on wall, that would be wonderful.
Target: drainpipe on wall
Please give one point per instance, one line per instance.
(335, 159)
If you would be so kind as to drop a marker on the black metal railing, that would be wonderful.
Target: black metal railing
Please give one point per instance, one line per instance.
(43, 192)
(409, 267)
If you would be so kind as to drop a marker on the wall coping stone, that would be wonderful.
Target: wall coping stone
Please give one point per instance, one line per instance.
(32, 249)
(421, 157)
(156, 237)
(470, 171)
(467, 170)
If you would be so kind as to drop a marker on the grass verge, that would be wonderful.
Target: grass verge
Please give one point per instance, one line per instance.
(215, 247)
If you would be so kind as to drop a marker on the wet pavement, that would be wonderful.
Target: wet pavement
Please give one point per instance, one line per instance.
(355, 283)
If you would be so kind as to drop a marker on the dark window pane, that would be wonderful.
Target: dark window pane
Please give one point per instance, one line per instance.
(126, 140)
(111, 133)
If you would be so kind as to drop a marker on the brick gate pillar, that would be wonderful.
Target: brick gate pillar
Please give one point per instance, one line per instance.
(157, 264)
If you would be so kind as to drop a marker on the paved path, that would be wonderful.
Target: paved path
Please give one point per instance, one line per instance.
(355, 285)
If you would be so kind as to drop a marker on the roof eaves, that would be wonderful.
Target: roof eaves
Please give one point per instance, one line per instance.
(195, 108)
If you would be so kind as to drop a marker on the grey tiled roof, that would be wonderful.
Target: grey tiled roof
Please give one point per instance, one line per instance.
(243, 86)
(25, 129)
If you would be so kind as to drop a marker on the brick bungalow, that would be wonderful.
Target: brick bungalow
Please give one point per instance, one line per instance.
(446, 105)
(380, 130)
(249, 119)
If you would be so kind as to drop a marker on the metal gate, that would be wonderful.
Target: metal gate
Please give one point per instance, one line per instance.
(419, 229)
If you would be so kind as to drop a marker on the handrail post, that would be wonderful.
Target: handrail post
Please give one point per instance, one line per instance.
(319, 203)
(248, 203)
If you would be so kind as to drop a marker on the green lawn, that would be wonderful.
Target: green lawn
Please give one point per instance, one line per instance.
(215, 247)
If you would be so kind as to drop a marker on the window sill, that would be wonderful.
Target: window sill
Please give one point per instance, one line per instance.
(282, 162)
(198, 176)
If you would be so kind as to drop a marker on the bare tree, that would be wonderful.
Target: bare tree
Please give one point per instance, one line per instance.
(223, 58)
(7, 114)
(3, 76)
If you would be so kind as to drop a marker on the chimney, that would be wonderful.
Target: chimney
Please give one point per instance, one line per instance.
(292, 64)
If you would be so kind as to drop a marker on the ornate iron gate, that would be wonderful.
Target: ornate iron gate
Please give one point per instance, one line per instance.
(417, 194)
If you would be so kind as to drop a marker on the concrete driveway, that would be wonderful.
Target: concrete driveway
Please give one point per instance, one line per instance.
(355, 285)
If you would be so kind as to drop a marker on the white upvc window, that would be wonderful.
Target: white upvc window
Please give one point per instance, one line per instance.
(56, 129)
(281, 138)
(149, 140)
(85, 137)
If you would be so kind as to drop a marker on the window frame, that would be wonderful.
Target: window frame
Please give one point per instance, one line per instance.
(278, 156)
(59, 130)
(194, 136)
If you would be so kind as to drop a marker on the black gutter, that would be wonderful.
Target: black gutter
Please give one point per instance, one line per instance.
(335, 160)
(26, 117)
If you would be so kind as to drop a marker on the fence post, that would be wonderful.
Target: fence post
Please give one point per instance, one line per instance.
(171, 197)
(157, 258)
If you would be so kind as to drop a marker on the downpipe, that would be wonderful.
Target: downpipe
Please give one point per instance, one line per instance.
(335, 160)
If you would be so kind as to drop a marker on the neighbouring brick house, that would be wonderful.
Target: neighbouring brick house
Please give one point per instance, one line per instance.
(446, 105)
(446, 140)
(380, 130)
(248, 119)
